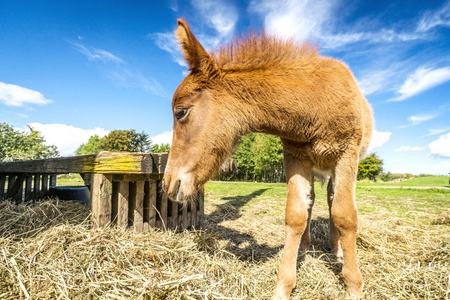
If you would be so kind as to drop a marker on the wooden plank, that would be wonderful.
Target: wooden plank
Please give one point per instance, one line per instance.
(101, 194)
(122, 209)
(104, 162)
(139, 207)
(201, 208)
(153, 194)
(186, 221)
(159, 162)
(194, 221)
(37, 187)
(15, 187)
(131, 203)
(11, 180)
(52, 180)
(173, 207)
(137, 177)
(18, 197)
(2, 186)
(44, 189)
(28, 187)
(164, 204)
(114, 202)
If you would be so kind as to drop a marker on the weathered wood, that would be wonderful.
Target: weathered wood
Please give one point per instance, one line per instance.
(138, 221)
(44, 189)
(194, 214)
(153, 194)
(2, 186)
(28, 187)
(137, 177)
(122, 209)
(164, 204)
(15, 186)
(186, 222)
(18, 196)
(101, 193)
(201, 209)
(104, 162)
(52, 180)
(37, 186)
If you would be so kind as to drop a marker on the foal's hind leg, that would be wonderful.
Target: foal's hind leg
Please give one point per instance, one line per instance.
(306, 237)
(344, 215)
(334, 238)
(299, 176)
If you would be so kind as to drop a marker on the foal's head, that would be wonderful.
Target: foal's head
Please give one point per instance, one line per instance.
(204, 129)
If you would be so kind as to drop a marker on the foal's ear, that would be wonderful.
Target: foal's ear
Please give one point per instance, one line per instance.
(193, 51)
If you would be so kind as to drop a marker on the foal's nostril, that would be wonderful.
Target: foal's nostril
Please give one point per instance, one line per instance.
(177, 186)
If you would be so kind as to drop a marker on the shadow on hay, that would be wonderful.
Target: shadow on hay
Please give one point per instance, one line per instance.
(246, 247)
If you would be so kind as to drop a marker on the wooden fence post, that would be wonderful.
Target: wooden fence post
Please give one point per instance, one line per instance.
(101, 194)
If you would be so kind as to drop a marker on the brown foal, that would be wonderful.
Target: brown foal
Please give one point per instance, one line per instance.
(266, 84)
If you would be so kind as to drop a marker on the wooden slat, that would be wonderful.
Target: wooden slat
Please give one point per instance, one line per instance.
(11, 180)
(2, 186)
(37, 187)
(101, 194)
(28, 187)
(164, 204)
(201, 209)
(131, 202)
(122, 209)
(52, 180)
(173, 207)
(186, 221)
(153, 193)
(15, 187)
(139, 207)
(44, 183)
(104, 162)
(194, 222)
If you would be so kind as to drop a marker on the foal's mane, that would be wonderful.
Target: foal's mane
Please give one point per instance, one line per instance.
(260, 51)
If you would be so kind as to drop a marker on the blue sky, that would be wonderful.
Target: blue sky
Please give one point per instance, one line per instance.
(76, 68)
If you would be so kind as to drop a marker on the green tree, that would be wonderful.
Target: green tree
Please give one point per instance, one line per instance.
(22, 145)
(370, 167)
(91, 147)
(260, 157)
(126, 140)
(160, 148)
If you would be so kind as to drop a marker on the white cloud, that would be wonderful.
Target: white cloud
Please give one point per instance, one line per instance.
(14, 95)
(163, 138)
(96, 54)
(317, 20)
(432, 132)
(408, 149)
(168, 42)
(416, 120)
(220, 15)
(435, 19)
(379, 139)
(290, 18)
(66, 137)
(173, 5)
(421, 80)
(441, 146)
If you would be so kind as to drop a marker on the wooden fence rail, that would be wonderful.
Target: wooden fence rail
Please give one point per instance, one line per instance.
(125, 188)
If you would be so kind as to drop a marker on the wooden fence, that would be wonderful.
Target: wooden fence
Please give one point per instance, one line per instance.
(125, 188)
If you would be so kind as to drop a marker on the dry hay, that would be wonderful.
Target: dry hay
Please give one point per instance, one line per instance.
(48, 251)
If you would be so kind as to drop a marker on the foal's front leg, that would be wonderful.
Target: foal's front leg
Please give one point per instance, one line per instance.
(300, 182)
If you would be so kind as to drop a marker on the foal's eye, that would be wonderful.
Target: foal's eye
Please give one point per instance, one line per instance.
(180, 112)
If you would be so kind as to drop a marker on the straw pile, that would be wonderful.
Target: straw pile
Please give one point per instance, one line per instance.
(47, 250)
